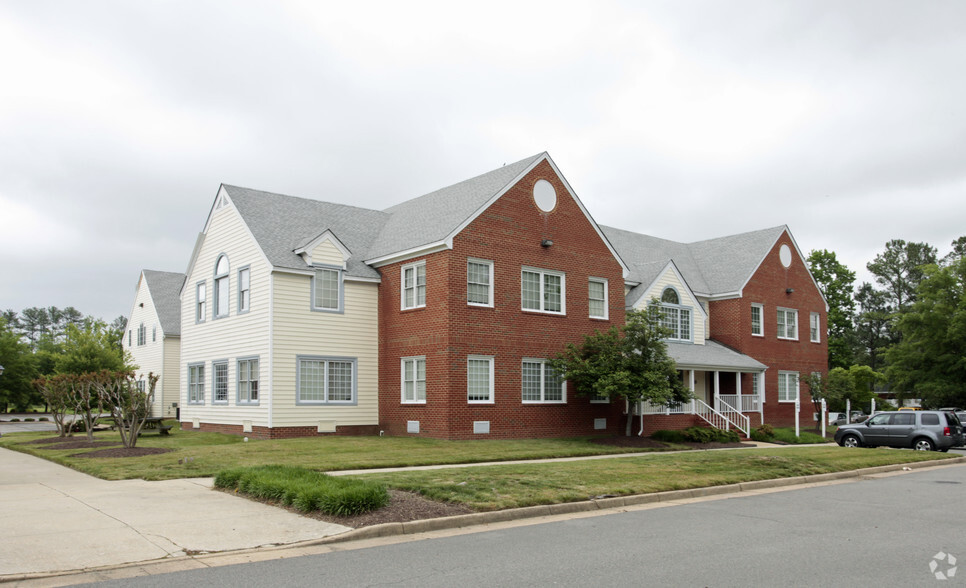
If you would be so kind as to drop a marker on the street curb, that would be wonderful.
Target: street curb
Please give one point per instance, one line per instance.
(614, 503)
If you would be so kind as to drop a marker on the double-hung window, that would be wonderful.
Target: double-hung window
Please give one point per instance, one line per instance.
(244, 290)
(142, 335)
(219, 382)
(327, 289)
(248, 381)
(479, 282)
(201, 300)
(757, 315)
(541, 384)
(414, 285)
(222, 288)
(479, 379)
(787, 386)
(325, 380)
(543, 291)
(414, 380)
(674, 317)
(815, 326)
(196, 384)
(597, 298)
(787, 323)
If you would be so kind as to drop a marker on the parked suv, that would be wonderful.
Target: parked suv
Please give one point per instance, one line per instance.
(924, 430)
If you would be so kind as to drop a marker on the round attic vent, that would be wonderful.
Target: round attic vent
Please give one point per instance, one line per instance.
(785, 255)
(544, 195)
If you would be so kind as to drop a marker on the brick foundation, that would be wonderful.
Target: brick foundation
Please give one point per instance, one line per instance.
(281, 432)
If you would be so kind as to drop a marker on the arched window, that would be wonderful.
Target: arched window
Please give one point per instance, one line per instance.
(670, 296)
(221, 286)
(675, 317)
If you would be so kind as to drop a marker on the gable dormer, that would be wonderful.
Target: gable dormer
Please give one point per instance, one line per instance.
(682, 309)
(324, 250)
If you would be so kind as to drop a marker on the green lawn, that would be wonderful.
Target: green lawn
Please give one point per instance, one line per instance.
(511, 486)
(205, 454)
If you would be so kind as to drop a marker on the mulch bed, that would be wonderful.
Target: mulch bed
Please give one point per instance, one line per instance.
(124, 452)
(81, 444)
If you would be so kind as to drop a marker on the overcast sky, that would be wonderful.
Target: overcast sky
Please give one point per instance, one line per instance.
(683, 119)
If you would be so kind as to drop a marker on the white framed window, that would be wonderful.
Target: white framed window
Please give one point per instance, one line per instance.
(479, 282)
(479, 379)
(597, 298)
(757, 316)
(815, 327)
(248, 379)
(219, 382)
(196, 383)
(414, 380)
(543, 291)
(244, 290)
(327, 289)
(787, 323)
(142, 335)
(787, 386)
(675, 317)
(413, 289)
(154, 334)
(599, 399)
(326, 380)
(129, 339)
(756, 385)
(222, 288)
(541, 384)
(201, 302)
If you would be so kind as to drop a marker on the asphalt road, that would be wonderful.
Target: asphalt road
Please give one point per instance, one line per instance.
(884, 531)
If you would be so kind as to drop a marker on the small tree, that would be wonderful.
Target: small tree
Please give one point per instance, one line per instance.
(855, 385)
(128, 401)
(629, 362)
(56, 392)
(85, 400)
(818, 390)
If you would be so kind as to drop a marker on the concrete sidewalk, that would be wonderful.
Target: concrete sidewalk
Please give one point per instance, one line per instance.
(55, 519)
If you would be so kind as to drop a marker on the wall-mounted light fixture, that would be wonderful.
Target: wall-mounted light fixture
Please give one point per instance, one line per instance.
(789, 290)
(141, 305)
(546, 243)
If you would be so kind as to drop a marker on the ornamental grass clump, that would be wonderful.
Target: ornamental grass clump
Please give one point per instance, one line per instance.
(305, 490)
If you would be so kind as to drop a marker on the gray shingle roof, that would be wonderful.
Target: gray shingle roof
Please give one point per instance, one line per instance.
(434, 216)
(281, 224)
(165, 289)
(712, 267)
(711, 355)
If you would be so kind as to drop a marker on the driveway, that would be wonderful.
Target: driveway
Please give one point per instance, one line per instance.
(57, 519)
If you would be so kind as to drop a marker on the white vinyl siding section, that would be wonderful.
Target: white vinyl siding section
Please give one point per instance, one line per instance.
(154, 355)
(326, 253)
(699, 324)
(298, 332)
(238, 335)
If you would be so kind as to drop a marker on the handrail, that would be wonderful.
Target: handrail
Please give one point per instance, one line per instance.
(734, 415)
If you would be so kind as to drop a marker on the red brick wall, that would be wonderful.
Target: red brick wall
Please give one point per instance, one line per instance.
(509, 233)
(731, 325)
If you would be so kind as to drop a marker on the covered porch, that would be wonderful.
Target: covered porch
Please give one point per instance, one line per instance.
(728, 387)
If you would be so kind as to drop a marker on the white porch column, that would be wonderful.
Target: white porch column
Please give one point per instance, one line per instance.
(738, 391)
(717, 382)
(691, 387)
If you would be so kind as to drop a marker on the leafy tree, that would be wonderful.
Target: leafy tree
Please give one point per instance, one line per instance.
(899, 269)
(116, 330)
(817, 389)
(929, 361)
(958, 252)
(855, 385)
(873, 325)
(835, 280)
(89, 349)
(129, 402)
(85, 400)
(56, 392)
(19, 370)
(629, 362)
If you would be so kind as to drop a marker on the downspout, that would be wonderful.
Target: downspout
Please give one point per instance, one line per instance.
(641, 432)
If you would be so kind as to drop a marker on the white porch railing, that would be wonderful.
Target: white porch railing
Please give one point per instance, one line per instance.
(725, 419)
(749, 402)
(740, 421)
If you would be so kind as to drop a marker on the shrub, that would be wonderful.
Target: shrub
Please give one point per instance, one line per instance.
(43, 419)
(14, 420)
(28, 420)
(669, 436)
(764, 433)
(306, 490)
(708, 435)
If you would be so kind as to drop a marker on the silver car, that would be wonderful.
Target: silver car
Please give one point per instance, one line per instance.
(924, 430)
